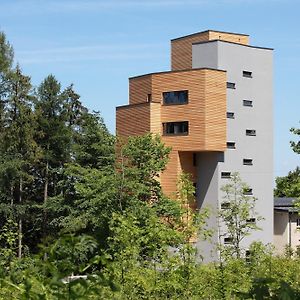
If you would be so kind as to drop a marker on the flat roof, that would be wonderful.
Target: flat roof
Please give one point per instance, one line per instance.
(189, 35)
(176, 71)
(212, 41)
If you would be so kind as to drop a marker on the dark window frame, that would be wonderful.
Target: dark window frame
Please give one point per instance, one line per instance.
(248, 103)
(228, 240)
(251, 132)
(248, 191)
(230, 85)
(226, 175)
(176, 103)
(247, 74)
(247, 161)
(230, 145)
(182, 123)
(230, 115)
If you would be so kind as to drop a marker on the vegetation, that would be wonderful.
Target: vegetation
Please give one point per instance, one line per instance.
(75, 200)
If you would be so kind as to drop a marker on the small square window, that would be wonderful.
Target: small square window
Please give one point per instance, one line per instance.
(251, 132)
(251, 221)
(248, 191)
(247, 161)
(225, 174)
(230, 145)
(228, 240)
(230, 85)
(247, 103)
(230, 115)
(247, 74)
(149, 97)
(225, 205)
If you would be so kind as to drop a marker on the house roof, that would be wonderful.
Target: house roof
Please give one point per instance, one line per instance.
(285, 204)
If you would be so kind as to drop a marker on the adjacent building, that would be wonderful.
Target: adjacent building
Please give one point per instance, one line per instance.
(286, 225)
(214, 108)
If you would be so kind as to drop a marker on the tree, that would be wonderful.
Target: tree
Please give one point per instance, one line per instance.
(6, 54)
(238, 214)
(295, 145)
(18, 146)
(288, 186)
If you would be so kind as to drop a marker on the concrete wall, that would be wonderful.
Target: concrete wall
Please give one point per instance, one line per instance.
(235, 59)
(281, 231)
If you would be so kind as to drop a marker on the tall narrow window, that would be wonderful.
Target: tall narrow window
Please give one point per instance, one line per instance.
(176, 128)
(149, 97)
(194, 159)
(176, 97)
(247, 74)
(230, 85)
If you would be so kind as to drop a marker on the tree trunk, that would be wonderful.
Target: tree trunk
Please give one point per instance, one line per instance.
(20, 230)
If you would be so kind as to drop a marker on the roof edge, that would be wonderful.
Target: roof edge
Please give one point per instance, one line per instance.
(250, 46)
(189, 35)
(176, 71)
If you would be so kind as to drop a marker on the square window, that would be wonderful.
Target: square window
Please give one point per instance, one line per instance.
(230, 115)
(251, 132)
(248, 161)
(228, 240)
(175, 97)
(248, 103)
(230, 85)
(176, 128)
(248, 191)
(225, 205)
(251, 221)
(230, 145)
(247, 74)
(225, 174)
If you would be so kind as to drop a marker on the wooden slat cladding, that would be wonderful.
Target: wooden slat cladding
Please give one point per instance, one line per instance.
(215, 111)
(186, 164)
(205, 111)
(139, 88)
(133, 120)
(169, 176)
(229, 37)
(181, 49)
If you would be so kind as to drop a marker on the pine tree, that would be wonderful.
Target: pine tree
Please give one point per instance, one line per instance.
(18, 148)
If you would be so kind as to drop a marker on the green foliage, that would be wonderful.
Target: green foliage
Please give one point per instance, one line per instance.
(236, 213)
(295, 145)
(288, 186)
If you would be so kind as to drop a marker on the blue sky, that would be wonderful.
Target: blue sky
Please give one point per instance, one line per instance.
(97, 45)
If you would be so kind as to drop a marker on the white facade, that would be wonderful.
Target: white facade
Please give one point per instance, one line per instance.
(257, 88)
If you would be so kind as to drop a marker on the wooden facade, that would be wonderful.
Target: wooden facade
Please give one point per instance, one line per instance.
(205, 113)
(181, 48)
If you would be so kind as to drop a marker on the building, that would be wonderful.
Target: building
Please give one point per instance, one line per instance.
(214, 108)
(286, 225)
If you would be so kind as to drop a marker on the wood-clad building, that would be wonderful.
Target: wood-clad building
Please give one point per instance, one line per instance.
(214, 108)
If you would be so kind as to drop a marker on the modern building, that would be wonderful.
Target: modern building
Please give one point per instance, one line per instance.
(214, 108)
(286, 225)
